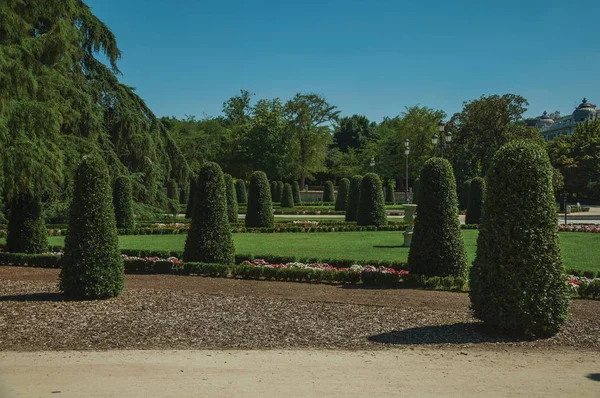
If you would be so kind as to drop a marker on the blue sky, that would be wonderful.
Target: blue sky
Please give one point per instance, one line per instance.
(368, 57)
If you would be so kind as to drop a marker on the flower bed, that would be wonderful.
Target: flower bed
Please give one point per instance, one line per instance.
(591, 228)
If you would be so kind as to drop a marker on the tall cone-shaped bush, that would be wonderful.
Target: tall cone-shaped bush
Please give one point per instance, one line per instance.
(274, 191)
(287, 198)
(232, 204)
(259, 213)
(172, 189)
(123, 203)
(371, 208)
(189, 210)
(240, 190)
(475, 206)
(27, 231)
(518, 283)
(342, 198)
(328, 192)
(92, 264)
(209, 239)
(296, 192)
(353, 198)
(463, 201)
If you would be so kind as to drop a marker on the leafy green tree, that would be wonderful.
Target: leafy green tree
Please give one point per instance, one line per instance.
(342, 197)
(353, 132)
(232, 204)
(476, 195)
(92, 265)
(296, 192)
(353, 198)
(26, 227)
(371, 208)
(437, 248)
(259, 213)
(209, 239)
(518, 283)
(328, 192)
(287, 198)
(240, 190)
(123, 203)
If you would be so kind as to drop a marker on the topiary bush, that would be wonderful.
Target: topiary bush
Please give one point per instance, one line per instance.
(342, 198)
(518, 283)
(240, 191)
(476, 195)
(184, 193)
(209, 238)
(259, 213)
(189, 210)
(123, 203)
(328, 192)
(92, 263)
(287, 198)
(273, 190)
(26, 227)
(416, 187)
(437, 247)
(172, 190)
(296, 192)
(371, 208)
(232, 204)
(353, 198)
(389, 192)
(463, 201)
(279, 191)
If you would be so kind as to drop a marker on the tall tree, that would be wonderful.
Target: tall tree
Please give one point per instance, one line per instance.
(353, 132)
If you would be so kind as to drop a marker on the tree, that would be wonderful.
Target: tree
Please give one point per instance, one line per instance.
(92, 265)
(437, 247)
(259, 213)
(209, 238)
(353, 198)
(287, 198)
(123, 203)
(476, 195)
(296, 192)
(518, 283)
(172, 190)
(342, 197)
(308, 116)
(26, 227)
(353, 132)
(189, 211)
(232, 204)
(464, 195)
(240, 190)
(328, 192)
(371, 208)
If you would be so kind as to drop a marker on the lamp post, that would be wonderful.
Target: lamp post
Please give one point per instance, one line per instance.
(372, 164)
(406, 152)
(447, 138)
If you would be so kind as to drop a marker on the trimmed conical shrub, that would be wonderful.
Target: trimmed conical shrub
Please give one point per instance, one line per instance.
(279, 191)
(353, 198)
(27, 231)
(463, 201)
(437, 247)
(415, 189)
(240, 191)
(232, 204)
(518, 283)
(389, 193)
(296, 192)
(287, 198)
(209, 239)
(342, 198)
(260, 208)
(476, 195)
(274, 191)
(328, 192)
(371, 208)
(123, 203)
(184, 193)
(189, 210)
(92, 264)
(172, 190)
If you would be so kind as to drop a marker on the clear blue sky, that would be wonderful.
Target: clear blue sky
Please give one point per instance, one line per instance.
(368, 57)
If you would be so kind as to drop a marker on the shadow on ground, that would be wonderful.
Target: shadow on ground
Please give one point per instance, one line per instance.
(390, 247)
(594, 376)
(36, 297)
(458, 333)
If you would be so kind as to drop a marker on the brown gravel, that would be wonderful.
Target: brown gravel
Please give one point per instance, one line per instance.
(174, 312)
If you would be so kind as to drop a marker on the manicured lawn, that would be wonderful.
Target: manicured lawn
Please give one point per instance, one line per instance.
(579, 250)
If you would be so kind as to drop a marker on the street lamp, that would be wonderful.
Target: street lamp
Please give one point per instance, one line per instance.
(444, 142)
(406, 152)
(372, 164)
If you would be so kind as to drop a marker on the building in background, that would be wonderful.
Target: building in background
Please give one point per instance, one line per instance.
(553, 125)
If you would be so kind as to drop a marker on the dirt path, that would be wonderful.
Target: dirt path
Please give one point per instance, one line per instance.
(299, 373)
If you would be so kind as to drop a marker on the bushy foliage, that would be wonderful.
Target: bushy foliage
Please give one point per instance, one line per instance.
(371, 208)
(416, 187)
(172, 189)
(123, 203)
(296, 192)
(328, 192)
(92, 264)
(279, 191)
(26, 227)
(189, 210)
(389, 192)
(353, 198)
(518, 283)
(476, 196)
(232, 204)
(209, 238)
(287, 199)
(342, 197)
(463, 201)
(259, 213)
(274, 191)
(437, 247)
(240, 191)
(184, 193)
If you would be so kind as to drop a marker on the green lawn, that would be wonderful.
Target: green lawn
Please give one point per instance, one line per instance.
(579, 250)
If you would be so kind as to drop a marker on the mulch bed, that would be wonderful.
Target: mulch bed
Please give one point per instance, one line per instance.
(178, 312)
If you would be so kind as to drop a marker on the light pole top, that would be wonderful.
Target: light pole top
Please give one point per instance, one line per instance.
(434, 139)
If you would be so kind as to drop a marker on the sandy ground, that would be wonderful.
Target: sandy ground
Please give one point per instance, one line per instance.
(304, 373)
